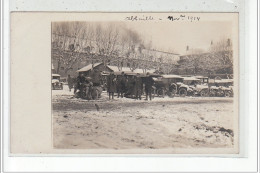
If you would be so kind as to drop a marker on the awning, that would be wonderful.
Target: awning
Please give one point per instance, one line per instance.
(172, 76)
(191, 79)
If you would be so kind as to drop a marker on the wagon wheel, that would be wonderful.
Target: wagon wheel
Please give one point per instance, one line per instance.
(204, 93)
(171, 94)
(194, 94)
(217, 78)
(173, 88)
(220, 93)
(212, 93)
(183, 92)
(160, 92)
(227, 93)
(190, 93)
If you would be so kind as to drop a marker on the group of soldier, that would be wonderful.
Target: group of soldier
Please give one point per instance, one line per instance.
(131, 86)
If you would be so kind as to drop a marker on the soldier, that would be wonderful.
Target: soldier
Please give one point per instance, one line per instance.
(130, 86)
(121, 84)
(111, 85)
(80, 84)
(70, 82)
(88, 87)
(148, 86)
(138, 87)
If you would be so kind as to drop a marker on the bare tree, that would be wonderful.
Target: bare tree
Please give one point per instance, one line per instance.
(60, 38)
(193, 61)
(219, 59)
(74, 42)
(130, 42)
(69, 41)
(106, 40)
(222, 51)
(168, 66)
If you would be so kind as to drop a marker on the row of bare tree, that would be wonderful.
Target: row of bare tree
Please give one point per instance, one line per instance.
(74, 42)
(218, 59)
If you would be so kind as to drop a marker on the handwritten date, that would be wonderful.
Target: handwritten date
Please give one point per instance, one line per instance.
(184, 17)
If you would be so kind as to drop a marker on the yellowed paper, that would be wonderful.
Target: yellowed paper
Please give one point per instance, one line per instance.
(47, 121)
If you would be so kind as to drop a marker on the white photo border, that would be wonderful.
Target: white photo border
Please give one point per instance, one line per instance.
(248, 68)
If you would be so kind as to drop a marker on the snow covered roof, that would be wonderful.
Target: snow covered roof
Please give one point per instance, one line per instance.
(115, 69)
(224, 81)
(172, 76)
(56, 75)
(127, 69)
(190, 78)
(200, 77)
(88, 67)
(141, 71)
(127, 73)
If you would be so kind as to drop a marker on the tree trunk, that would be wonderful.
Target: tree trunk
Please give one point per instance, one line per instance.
(66, 71)
(58, 68)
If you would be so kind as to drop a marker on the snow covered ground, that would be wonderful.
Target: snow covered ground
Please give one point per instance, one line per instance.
(123, 123)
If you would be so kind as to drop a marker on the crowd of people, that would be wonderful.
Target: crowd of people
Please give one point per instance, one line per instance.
(130, 86)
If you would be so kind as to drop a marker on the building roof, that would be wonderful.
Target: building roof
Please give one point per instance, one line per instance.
(56, 75)
(201, 77)
(141, 71)
(127, 69)
(114, 69)
(172, 76)
(224, 81)
(190, 78)
(88, 67)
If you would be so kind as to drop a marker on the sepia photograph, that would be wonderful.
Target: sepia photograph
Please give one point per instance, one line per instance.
(146, 82)
(106, 86)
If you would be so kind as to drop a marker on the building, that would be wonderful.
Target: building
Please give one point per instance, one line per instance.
(109, 68)
(205, 64)
(145, 61)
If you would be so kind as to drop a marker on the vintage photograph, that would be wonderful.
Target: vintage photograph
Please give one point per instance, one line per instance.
(146, 82)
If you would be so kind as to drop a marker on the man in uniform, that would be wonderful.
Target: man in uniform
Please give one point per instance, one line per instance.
(148, 86)
(80, 84)
(121, 84)
(111, 85)
(70, 82)
(138, 87)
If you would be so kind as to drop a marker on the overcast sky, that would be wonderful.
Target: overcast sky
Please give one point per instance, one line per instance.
(171, 36)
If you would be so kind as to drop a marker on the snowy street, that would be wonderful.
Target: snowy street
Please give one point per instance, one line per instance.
(123, 123)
